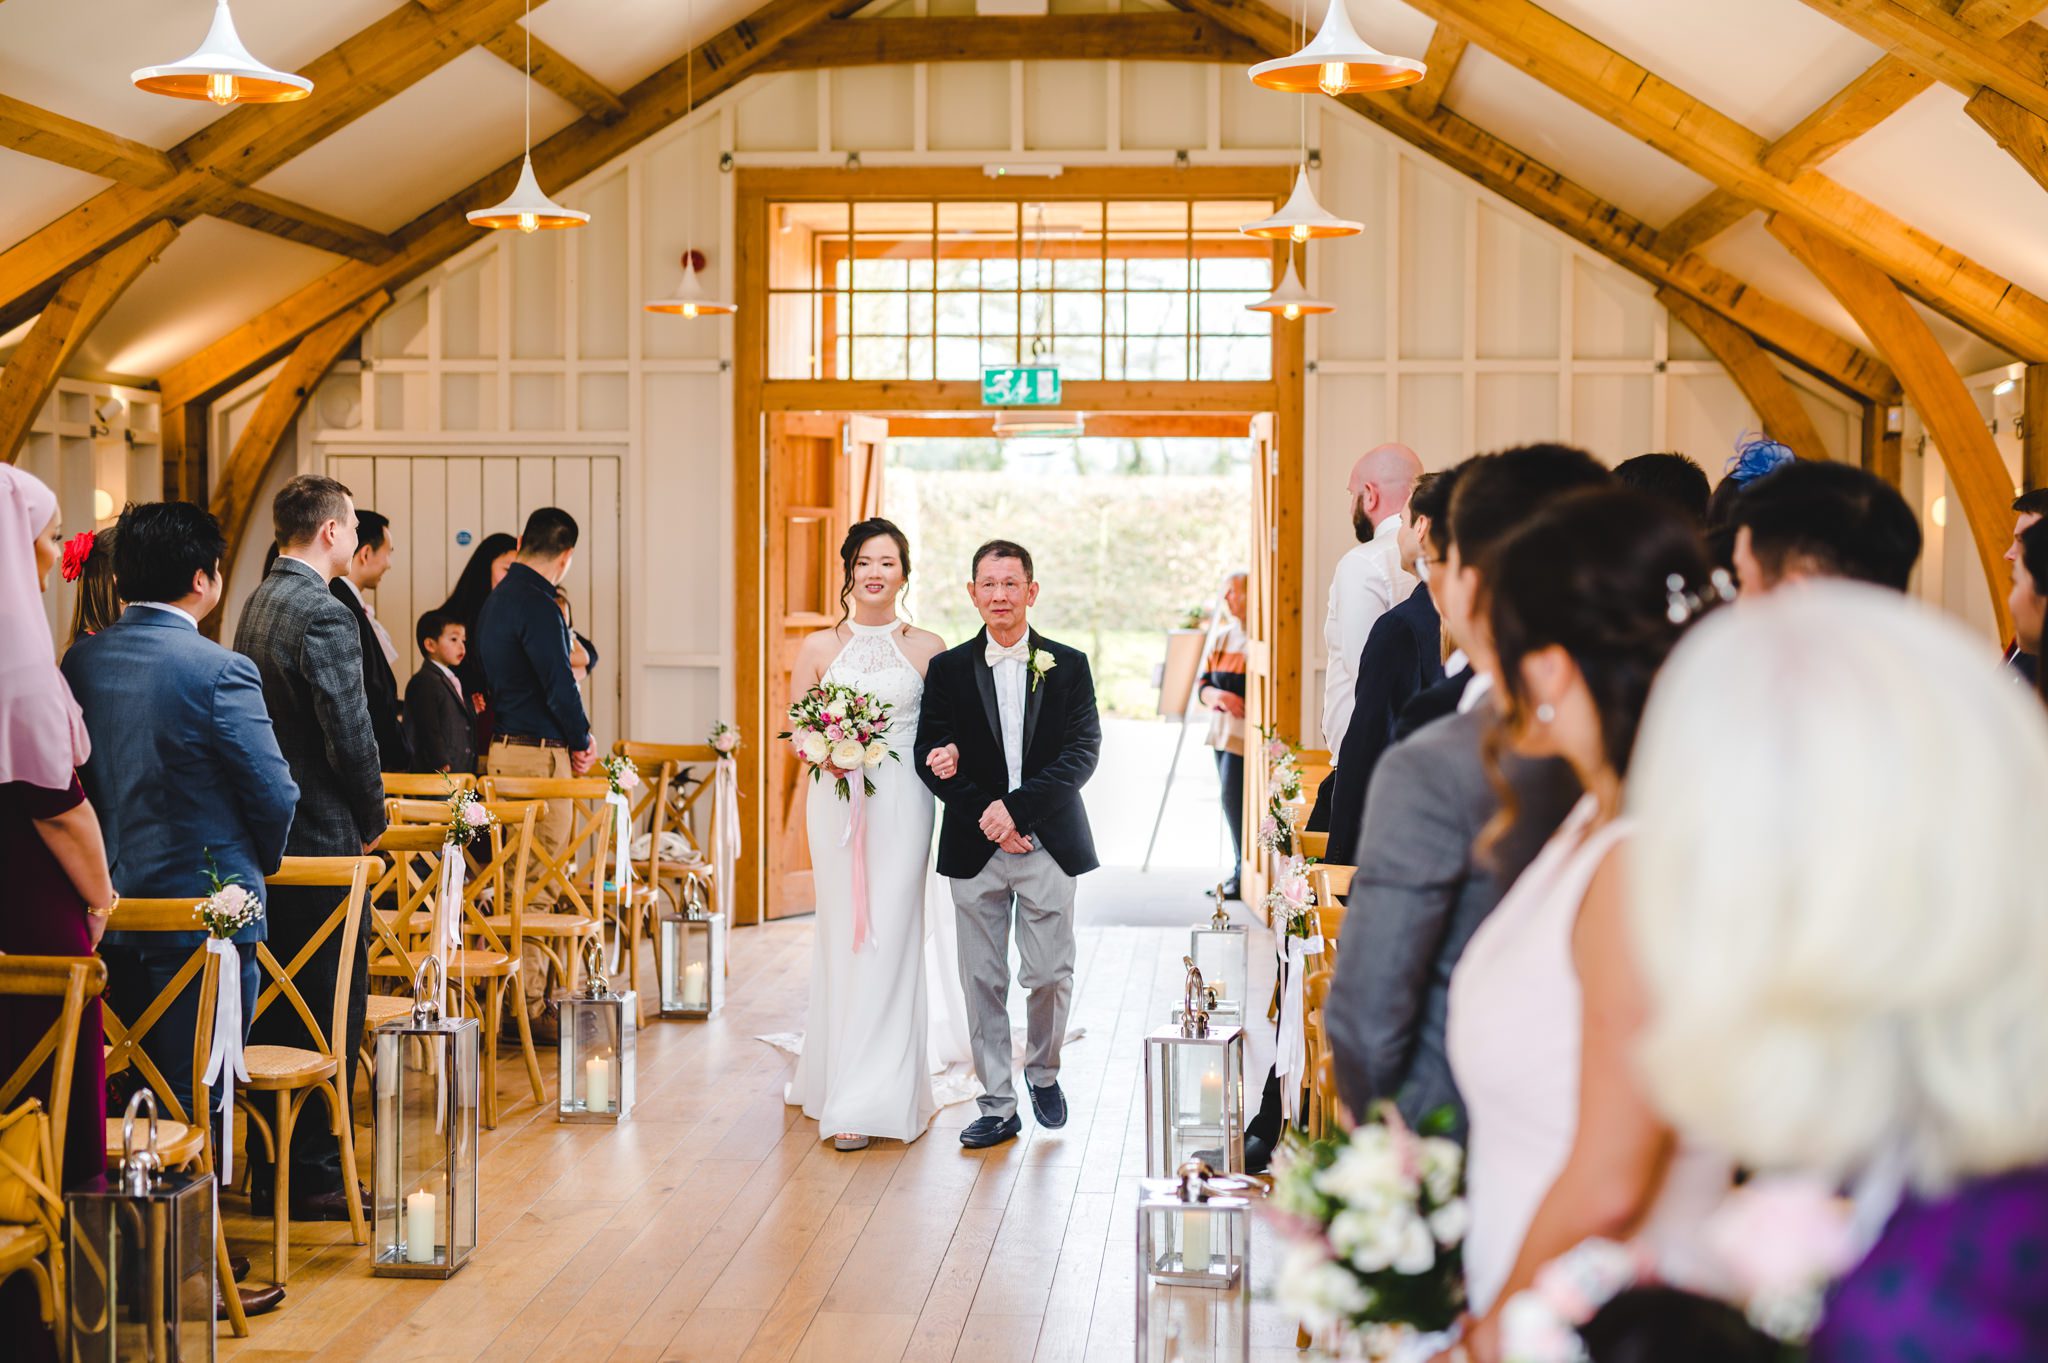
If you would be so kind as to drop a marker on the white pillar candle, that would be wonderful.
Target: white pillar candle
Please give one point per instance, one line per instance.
(597, 1084)
(419, 1228)
(1212, 1095)
(1194, 1242)
(693, 985)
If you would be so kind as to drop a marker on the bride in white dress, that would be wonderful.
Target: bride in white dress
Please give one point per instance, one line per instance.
(863, 1070)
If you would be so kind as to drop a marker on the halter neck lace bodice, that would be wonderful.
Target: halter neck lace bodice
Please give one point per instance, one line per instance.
(873, 661)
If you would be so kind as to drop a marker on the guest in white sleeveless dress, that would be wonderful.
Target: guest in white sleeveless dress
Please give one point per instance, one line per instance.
(1546, 1002)
(863, 1070)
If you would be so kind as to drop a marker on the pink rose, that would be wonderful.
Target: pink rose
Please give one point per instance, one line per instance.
(1295, 889)
(1782, 1233)
(726, 742)
(475, 815)
(231, 899)
(629, 779)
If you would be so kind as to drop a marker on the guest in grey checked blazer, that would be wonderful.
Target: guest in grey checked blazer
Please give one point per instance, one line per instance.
(305, 645)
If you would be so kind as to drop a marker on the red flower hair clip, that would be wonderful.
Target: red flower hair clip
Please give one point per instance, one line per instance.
(76, 551)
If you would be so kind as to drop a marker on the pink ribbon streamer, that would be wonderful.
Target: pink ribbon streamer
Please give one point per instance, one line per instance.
(857, 834)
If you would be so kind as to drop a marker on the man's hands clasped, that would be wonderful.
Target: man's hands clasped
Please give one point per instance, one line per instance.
(996, 824)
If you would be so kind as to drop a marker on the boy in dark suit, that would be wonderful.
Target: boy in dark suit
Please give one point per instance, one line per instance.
(437, 718)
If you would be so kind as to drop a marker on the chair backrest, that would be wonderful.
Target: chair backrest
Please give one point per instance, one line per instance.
(1330, 926)
(350, 876)
(682, 798)
(1331, 880)
(411, 785)
(406, 932)
(1312, 844)
(73, 980)
(125, 1046)
(591, 822)
(416, 810)
(1316, 766)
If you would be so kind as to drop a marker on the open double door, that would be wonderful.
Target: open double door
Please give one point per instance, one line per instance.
(824, 474)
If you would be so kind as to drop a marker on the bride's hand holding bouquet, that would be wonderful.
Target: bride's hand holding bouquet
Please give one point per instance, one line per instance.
(837, 731)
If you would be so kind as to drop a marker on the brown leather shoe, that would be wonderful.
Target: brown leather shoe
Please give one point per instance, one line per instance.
(256, 1301)
(238, 1264)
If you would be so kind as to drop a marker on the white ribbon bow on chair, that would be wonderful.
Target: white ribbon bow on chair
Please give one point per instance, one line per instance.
(225, 1063)
(725, 829)
(622, 853)
(1291, 1053)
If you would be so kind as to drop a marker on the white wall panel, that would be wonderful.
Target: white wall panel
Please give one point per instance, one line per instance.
(1066, 105)
(780, 113)
(968, 106)
(1516, 294)
(1433, 213)
(874, 108)
(1356, 182)
(1165, 105)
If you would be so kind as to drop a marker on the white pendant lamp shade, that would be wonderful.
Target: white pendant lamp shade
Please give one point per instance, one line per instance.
(1289, 301)
(689, 299)
(527, 209)
(1301, 218)
(1337, 62)
(222, 71)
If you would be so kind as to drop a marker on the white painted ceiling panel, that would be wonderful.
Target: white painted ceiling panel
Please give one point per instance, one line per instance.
(1544, 124)
(34, 192)
(75, 56)
(454, 127)
(209, 281)
(622, 42)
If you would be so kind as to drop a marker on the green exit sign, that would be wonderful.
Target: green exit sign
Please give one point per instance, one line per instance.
(1026, 385)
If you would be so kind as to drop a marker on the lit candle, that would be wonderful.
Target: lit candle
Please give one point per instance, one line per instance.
(1194, 1242)
(419, 1228)
(597, 1084)
(1212, 1096)
(693, 985)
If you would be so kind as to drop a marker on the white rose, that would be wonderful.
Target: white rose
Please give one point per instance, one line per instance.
(1532, 1332)
(815, 749)
(1367, 1170)
(1317, 1291)
(1418, 1248)
(848, 754)
(877, 750)
(1042, 662)
(1450, 1222)
(836, 710)
(1442, 1161)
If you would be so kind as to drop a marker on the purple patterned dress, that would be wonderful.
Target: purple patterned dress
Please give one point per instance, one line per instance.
(1962, 1279)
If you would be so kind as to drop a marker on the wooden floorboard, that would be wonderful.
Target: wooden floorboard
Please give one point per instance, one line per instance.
(715, 1226)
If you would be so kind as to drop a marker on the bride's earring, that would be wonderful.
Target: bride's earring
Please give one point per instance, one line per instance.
(1545, 713)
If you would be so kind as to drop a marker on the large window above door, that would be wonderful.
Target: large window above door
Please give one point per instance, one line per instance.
(1110, 290)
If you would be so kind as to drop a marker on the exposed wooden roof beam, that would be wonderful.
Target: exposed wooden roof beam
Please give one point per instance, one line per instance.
(1711, 144)
(1932, 385)
(1771, 396)
(76, 308)
(1159, 36)
(1446, 49)
(52, 136)
(247, 143)
(556, 72)
(1950, 47)
(722, 62)
(253, 208)
(1712, 214)
(2022, 135)
(1582, 215)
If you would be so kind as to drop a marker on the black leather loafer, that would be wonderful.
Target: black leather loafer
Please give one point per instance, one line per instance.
(983, 1132)
(1049, 1105)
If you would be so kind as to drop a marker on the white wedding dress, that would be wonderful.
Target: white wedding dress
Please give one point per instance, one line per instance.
(864, 1067)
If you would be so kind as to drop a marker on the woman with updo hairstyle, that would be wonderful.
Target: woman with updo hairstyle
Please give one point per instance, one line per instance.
(863, 1071)
(1584, 602)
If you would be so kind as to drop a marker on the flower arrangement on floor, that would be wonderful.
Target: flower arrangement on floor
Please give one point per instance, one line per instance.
(837, 731)
(1376, 1221)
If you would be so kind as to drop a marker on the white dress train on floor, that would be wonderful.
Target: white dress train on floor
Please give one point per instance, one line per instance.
(863, 1066)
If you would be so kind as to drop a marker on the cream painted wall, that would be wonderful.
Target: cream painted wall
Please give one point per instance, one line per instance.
(1463, 324)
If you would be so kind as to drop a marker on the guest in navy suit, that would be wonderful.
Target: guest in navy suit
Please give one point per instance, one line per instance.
(185, 766)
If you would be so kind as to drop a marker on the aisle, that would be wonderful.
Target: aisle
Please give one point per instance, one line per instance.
(714, 1227)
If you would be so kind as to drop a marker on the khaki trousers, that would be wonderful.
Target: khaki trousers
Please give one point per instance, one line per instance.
(551, 831)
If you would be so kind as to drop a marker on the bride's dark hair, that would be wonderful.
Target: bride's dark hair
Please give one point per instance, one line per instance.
(849, 550)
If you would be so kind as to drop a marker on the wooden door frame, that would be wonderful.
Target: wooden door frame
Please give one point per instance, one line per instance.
(755, 395)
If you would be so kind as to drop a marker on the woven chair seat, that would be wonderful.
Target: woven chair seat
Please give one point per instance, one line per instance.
(476, 963)
(286, 1067)
(177, 1143)
(19, 1246)
(670, 866)
(545, 924)
(381, 1008)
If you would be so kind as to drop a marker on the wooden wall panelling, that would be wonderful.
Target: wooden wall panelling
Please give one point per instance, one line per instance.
(74, 310)
(1776, 404)
(1932, 385)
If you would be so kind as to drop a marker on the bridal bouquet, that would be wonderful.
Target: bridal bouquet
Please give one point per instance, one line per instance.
(837, 731)
(1376, 1219)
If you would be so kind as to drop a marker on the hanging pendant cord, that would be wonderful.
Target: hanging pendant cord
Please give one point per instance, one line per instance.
(527, 27)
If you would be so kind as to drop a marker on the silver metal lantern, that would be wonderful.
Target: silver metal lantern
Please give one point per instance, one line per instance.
(1222, 951)
(1194, 1268)
(1194, 1089)
(424, 1191)
(138, 1251)
(692, 957)
(597, 1047)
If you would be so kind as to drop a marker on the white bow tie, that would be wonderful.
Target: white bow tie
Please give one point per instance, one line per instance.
(1019, 652)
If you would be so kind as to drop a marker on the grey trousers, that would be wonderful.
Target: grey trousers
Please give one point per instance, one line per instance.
(1041, 895)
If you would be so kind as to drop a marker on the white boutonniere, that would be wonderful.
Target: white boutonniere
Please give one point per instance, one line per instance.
(1041, 663)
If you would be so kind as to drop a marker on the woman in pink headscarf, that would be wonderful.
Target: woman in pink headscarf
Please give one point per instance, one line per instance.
(58, 887)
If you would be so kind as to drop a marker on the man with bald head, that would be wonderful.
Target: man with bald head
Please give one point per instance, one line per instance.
(1369, 582)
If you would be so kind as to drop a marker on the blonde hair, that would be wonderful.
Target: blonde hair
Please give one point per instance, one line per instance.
(1840, 912)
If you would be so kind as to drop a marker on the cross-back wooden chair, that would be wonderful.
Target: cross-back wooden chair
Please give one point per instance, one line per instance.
(293, 1074)
(1317, 994)
(1309, 844)
(184, 1141)
(32, 1133)
(577, 913)
(489, 958)
(413, 785)
(680, 800)
(1328, 882)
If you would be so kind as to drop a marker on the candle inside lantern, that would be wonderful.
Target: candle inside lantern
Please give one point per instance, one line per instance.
(1194, 1242)
(597, 1083)
(693, 985)
(419, 1228)
(1212, 1096)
